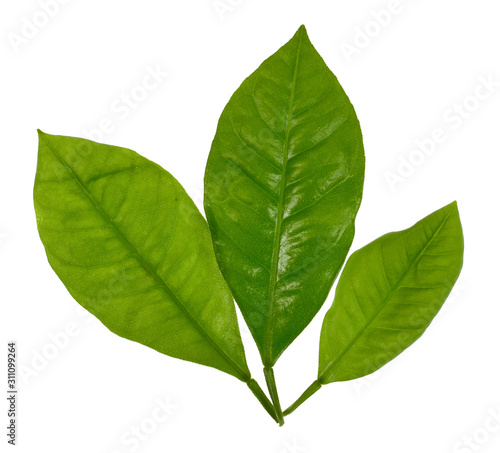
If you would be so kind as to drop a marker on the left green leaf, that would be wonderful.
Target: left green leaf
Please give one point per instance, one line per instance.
(132, 248)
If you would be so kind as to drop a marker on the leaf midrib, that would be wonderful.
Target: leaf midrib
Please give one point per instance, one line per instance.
(243, 375)
(268, 357)
(398, 285)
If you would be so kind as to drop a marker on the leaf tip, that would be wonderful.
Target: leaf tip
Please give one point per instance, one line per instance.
(41, 135)
(453, 205)
(301, 30)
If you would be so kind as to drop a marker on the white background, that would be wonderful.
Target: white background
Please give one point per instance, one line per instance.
(68, 75)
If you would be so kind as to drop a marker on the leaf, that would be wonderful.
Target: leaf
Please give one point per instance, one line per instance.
(132, 248)
(283, 185)
(388, 294)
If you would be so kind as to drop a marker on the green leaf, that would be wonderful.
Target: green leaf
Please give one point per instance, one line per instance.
(283, 184)
(388, 294)
(132, 248)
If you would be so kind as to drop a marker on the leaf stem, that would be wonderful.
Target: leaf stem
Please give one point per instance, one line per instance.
(254, 386)
(311, 390)
(273, 391)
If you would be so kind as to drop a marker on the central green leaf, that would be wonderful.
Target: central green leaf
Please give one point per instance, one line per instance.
(283, 184)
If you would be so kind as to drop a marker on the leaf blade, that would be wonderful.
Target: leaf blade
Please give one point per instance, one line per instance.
(387, 297)
(282, 188)
(132, 248)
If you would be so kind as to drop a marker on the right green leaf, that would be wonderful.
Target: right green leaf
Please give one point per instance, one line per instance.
(388, 294)
(283, 185)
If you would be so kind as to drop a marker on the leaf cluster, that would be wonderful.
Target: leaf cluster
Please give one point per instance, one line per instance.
(283, 184)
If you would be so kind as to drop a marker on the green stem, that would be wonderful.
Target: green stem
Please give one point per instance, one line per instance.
(263, 399)
(311, 390)
(273, 391)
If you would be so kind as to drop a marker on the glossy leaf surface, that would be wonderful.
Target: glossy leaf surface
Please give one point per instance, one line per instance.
(387, 295)
(132, 248)
(283, 185)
